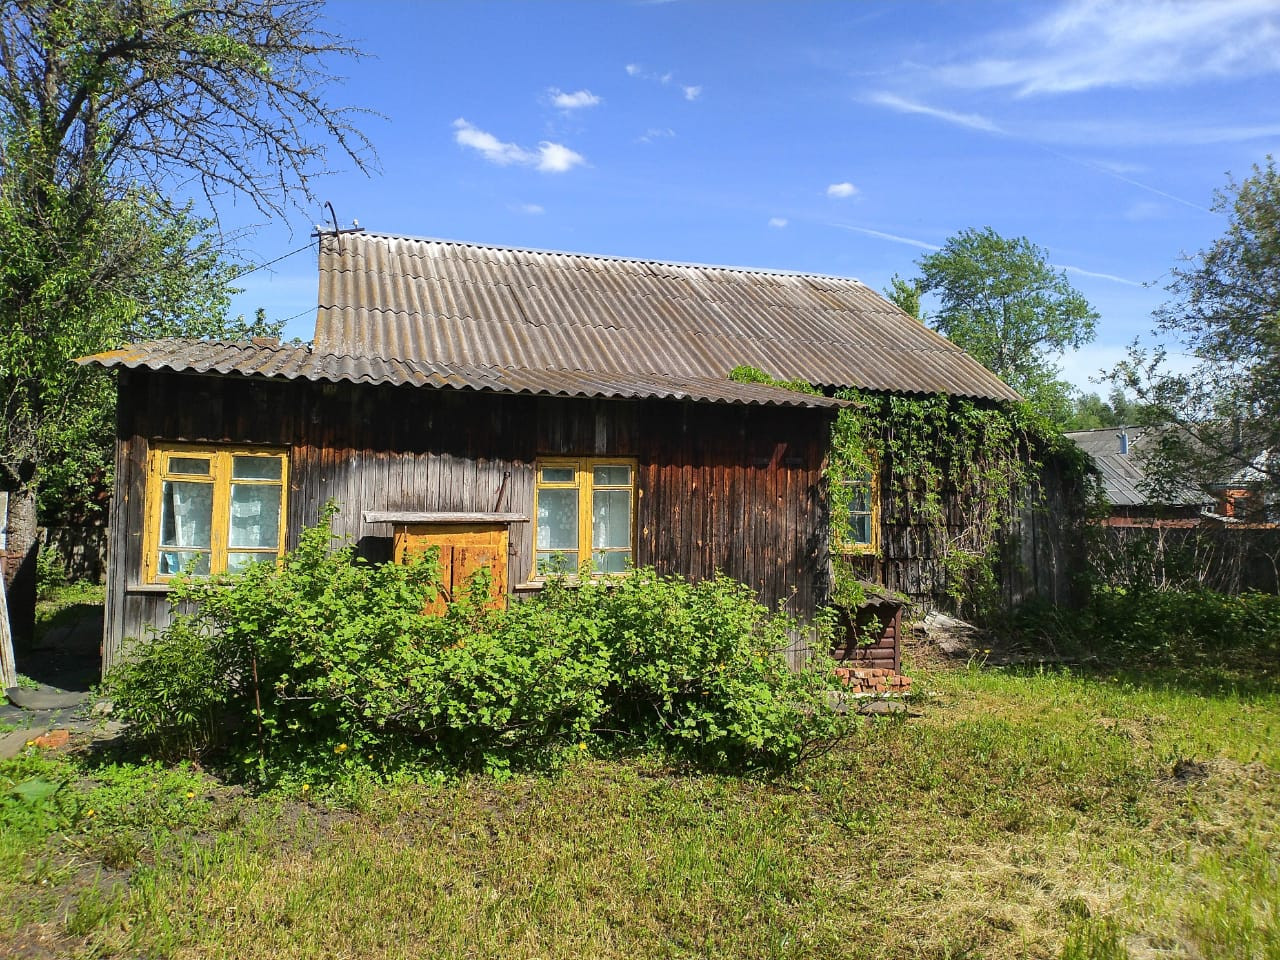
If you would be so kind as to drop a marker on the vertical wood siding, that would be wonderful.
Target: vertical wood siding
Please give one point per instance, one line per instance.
(719, 487)
(1041, 554)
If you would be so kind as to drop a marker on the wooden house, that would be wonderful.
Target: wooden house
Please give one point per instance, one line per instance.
(525, 410)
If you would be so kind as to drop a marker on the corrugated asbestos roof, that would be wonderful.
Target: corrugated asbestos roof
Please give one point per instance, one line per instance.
(435, 313)
(1122, 473)
(301, 362)
(460, 304)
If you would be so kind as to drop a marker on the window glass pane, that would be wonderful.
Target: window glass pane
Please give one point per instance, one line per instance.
(859, 528)
(561, 562)
(557, 475)
(612, 475)
(239, 560)
(190, 466)
(611, 518)
(613, 561)
(173, 562)
(557, 519)
(255, 468)
(255, 515)
(186, 514)
(859, 495)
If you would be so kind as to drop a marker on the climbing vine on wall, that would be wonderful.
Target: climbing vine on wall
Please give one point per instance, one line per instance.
(953, 475)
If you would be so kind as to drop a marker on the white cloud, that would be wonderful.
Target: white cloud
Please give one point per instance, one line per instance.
(1080, 271)
(778, 222)
(1087, 44)
(845, 189)
(548, 158)
(973, 121)
(1138, 133)
(1119, 167)
(655, 133)
(557, 158)
(1092, 134)
(532, 209)
(489, 146)
(573, 101)
(689, 91)
(1146, 210)
(895, 238)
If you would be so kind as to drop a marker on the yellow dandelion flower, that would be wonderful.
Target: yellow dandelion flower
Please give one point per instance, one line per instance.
(340, 748)
(582, 746)
(191, 795)
(89, 813)
(306, 787)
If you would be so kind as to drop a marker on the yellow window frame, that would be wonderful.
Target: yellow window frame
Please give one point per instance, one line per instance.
(846, 545)
(584, 483)
(220, 477)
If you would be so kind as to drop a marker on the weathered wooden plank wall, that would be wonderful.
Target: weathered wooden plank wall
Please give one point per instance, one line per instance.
(730, 488)
(1040, 556)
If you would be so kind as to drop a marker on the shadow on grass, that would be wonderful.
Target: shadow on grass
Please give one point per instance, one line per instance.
(67, 650)
(1213, 682)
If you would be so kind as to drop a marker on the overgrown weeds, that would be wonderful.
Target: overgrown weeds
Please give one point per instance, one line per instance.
(1202, 635)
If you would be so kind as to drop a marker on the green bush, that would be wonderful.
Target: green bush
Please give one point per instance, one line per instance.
(327, 668)
(51, 572)
(1185, 627)
(698, 671)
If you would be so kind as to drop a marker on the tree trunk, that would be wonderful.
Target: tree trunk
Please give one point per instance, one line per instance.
(20, 568)
(8, 663)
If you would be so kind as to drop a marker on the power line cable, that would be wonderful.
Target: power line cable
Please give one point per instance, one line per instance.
(262, 266)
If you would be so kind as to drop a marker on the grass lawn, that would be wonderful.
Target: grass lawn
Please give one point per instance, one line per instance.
(1036, 814)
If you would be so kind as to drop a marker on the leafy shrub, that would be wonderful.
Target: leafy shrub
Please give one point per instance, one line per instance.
(698, 670)
(1162, 627)
(327, 668)
(51, 571)
(244, 670)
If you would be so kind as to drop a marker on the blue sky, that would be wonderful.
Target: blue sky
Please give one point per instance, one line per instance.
(840, 138)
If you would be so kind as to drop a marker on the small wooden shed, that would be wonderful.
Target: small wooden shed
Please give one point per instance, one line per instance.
(526, 410)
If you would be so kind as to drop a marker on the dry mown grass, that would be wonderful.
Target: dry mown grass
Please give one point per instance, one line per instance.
(1024, 815)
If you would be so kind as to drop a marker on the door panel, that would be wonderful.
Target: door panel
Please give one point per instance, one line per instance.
(464, 549)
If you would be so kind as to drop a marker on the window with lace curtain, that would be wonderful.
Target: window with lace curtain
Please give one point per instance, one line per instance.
(213, 510)
(584, 513)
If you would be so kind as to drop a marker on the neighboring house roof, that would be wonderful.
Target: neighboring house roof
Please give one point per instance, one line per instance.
(462, 303)
(267, 358)
(437, 313)
(1258, 471)
(1122, 473)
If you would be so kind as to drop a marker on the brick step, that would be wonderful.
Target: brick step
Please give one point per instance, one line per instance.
(873, 680)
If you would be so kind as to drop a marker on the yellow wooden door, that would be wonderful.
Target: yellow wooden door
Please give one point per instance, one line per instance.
(464, 549)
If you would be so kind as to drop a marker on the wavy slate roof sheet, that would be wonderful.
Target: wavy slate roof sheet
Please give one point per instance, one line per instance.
(459, 304)
(264, 358)
(1123, 473)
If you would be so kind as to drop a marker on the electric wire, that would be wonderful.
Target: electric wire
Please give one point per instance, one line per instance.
(262, 266)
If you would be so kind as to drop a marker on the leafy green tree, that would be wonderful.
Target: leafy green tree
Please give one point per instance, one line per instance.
(1002, 301)
(109, 109)
(904, 294)
(1091, 412)
(1225, 315)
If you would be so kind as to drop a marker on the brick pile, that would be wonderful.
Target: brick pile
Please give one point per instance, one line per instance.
(873, 680)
